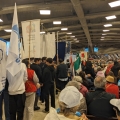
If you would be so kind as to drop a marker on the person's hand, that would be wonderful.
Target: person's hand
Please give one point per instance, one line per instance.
(83, 117)
(38, 85)
(88, 75)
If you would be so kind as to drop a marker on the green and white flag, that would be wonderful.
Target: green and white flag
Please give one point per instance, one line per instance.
(77, 64)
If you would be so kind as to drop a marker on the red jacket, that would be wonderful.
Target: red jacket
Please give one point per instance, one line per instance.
(113, 89)
(30, 85)
(83, 90)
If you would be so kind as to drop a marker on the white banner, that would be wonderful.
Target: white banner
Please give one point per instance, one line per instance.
(83, 56)
(3, 52)
(31, 34)
(50, 44)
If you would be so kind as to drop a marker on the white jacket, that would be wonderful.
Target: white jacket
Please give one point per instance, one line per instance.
(54, 116)
(17, 83)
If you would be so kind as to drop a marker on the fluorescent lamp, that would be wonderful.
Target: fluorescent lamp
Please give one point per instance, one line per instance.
(110, 17)
(69, 33)
(107, 25)
(77, 41)
(42, 32)
(114, 4)
(102, 37)
(106, 30)
(64, 28)
(45, 12)
(72, 36)
(8, 30)
(104, 34)
(57, 22)
(1, 20)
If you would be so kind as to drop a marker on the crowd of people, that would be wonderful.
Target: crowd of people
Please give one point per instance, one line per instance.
(92, 91)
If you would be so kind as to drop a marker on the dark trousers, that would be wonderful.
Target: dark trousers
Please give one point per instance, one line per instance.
(16, 104)
(4, 96)
(49, 90)
(42, 95)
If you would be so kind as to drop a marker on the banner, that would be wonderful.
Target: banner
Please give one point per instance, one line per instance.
(2, 65)
(83, 56)
(50, 45)
(31, 36)
(14, 60)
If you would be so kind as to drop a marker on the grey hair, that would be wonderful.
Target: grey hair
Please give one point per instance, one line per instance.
(75, 84)
(78, 79)
(99, 82)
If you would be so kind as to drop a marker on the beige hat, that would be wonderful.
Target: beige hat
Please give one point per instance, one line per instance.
(110, 79)
(78, 79)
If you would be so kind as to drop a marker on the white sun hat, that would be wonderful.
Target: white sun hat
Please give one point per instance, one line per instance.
(70, 96)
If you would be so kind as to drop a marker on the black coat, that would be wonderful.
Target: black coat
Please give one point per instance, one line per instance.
(100, 107)
(48, 76)
(42, 66)
(62, 71)
(115, 69)
(37, 70)
(90, 70)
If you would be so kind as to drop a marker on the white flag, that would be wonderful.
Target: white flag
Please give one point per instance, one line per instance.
(14, 61)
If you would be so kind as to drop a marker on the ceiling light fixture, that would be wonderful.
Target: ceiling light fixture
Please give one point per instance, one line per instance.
(56, 22)
(104, 34)
(1, 20)
(8, 30)
(45, 12)
(107, 25)
(101, 39)
(77, 41)
(42, 32)
(69, 33)
(72, 36)
(64, 28)
(106, 30)
(114, 4)
(110, 17)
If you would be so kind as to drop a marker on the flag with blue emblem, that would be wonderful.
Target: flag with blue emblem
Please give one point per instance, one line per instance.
(14, 60)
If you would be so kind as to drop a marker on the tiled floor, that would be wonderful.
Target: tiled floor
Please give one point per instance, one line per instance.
(39, 115)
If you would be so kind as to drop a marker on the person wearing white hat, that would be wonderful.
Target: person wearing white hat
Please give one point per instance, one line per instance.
(116, 104)
(69, 101)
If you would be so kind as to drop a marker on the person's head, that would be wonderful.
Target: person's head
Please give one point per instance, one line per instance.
(82, 75)
(88, 64)
(110, 74)
(78, 79)
(116, 63)
(75, 84)
(32, 60)
(60, 60)
(110, 79)
(99, 82)
(27, 63)
(49, 61)
(100, 74)
(99, 69)
(44, 59)
(37, 60)
(69, 100)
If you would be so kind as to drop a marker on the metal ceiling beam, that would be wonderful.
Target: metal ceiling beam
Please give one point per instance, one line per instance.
(80, 13)
(59, 28)
(36, 6)
(101, 14)
(94, 30)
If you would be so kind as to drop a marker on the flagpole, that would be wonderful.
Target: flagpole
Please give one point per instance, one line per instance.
(29, 40)
(57, 48)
